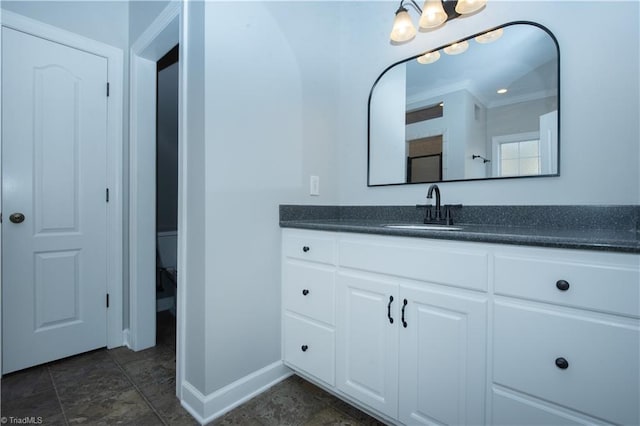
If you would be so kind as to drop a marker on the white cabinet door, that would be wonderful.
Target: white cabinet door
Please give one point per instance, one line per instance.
(367, 340)
(442, 357)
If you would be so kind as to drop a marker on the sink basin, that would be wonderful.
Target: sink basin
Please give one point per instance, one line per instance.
(425, 227)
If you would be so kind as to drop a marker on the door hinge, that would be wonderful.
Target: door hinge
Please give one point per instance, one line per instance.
(107, 195)
(107, 89)
(107, 300)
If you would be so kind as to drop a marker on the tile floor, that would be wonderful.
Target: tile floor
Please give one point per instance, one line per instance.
(119, 386)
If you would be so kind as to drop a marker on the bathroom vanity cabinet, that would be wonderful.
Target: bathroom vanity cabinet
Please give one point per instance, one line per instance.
(421, 331)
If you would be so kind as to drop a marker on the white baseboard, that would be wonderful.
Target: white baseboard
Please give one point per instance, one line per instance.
(126, 338)
(205, 408)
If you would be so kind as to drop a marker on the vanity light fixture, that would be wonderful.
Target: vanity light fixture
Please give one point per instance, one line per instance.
(457, 48)
(433, 14)
(489, 37)
(429, 58)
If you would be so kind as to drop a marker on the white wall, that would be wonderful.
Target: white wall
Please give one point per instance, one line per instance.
(387, 157)
(194, 189)
(518, 118)
(142, 13)
(270, 114)
(104, 21)
(599, 101)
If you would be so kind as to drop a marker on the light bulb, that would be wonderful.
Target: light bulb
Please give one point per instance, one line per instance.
(456, 48)
(469, 6)
(490, 36)
(429, 58)
(403, 29)
(433, 14)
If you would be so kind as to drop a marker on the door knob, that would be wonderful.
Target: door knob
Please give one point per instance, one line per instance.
(16, 218)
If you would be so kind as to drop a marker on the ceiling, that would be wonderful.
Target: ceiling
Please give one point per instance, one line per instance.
(523, 60)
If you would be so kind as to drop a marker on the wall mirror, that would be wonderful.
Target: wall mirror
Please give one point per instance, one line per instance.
(485, 107)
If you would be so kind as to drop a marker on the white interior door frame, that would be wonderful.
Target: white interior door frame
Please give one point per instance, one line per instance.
(115, 72)
(160, 37)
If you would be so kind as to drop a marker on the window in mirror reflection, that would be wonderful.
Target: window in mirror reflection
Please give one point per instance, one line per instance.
(520, 158)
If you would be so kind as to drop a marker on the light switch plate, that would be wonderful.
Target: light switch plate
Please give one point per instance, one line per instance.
(314, 185)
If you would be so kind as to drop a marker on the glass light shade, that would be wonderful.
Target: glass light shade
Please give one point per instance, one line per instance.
(429, 58)
(433, 14)
(469, 6)
(490, 37)
(403, 29)
(456, 48)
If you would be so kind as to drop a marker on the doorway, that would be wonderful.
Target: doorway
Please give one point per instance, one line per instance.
(166, 193)
(159, 38)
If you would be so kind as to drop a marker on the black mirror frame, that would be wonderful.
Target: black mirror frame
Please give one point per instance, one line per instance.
(535, 24)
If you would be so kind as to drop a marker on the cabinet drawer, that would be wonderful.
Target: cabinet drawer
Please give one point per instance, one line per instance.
(515, 410)
(309, 245)
(309, 347)
(613, 288)
(309, 289)
(601, 379)
(420, 260)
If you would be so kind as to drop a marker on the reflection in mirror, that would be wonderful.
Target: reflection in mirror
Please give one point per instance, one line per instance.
(484, 107)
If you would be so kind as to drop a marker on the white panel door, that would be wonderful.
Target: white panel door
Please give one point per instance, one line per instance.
(442, 358)
(367, 340)
(54, 133)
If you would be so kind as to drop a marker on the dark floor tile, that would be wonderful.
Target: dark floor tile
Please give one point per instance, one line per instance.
(79, 365)
(159, 369)
(128, 408)
(166, 403)
(42, 405)
(331, 417)
(361, 417)
(95, 383)
(237, 418)
(284, 404)
(315, 390)
(26, 383)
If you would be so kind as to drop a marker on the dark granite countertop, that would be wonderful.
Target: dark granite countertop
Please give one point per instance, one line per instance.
(621, 235)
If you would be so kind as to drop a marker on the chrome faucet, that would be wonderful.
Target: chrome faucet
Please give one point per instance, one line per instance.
(437, 218)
